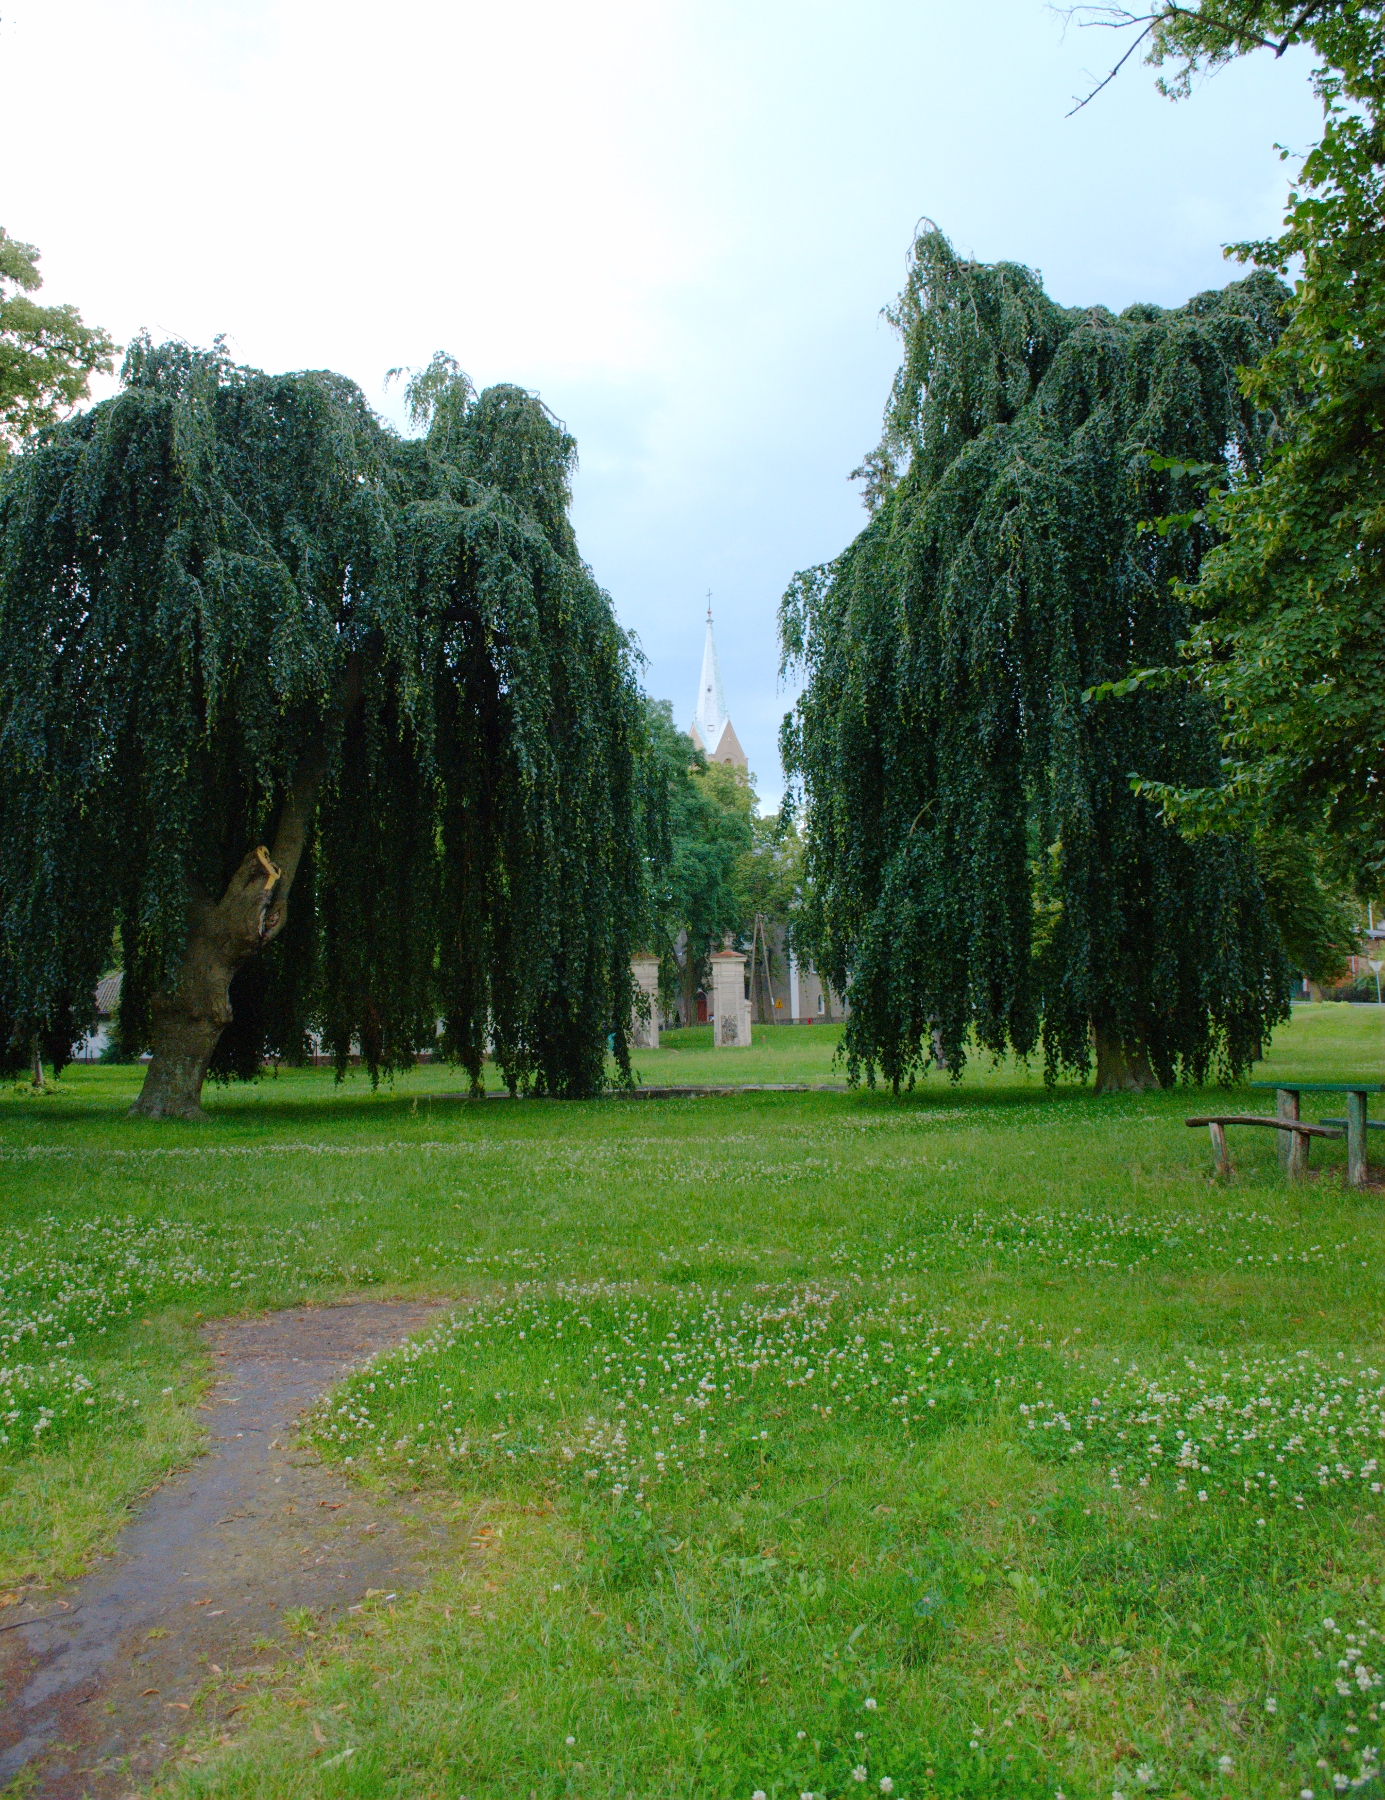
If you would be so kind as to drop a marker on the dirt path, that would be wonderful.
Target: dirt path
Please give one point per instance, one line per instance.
(95, 1687)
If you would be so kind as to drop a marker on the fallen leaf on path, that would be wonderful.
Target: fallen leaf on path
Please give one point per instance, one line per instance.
(181, 1705)
(144, 1693)
(318, 1733)
(331, 1505)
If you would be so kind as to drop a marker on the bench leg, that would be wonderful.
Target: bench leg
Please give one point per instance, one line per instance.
(1287, 1107)
(1300, 1145)
(1356, 1140)
(1222, 1162)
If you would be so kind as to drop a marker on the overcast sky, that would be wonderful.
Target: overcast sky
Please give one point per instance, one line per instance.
(677, 222)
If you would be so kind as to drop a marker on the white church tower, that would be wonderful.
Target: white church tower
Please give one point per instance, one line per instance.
(712, 730)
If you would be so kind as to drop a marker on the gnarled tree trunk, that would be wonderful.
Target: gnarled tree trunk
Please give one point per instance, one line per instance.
(1120, 1070)
(190, 1016)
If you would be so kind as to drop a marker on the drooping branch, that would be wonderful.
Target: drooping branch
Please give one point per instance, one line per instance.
(300, 803)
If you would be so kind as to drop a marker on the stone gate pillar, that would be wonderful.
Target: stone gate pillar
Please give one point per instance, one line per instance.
(644, 1034)
(730, 1008)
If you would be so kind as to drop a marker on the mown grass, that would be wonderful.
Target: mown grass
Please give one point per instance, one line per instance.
(862, 1552)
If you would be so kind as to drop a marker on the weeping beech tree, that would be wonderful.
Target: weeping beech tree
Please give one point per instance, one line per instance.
(977, 860)
(336, 729)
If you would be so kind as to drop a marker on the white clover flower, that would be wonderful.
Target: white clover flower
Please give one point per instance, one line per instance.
(571, 1740)
(1305, 1794)
(1271, 1705)
(759, 1794)
(886, 1785)
(801, 1736)
(870, 1706)
(1226, 1764)
(859, 1772)
(1145, 1775)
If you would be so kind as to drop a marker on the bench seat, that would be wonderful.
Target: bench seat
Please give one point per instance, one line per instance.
(1303, 1132)
(1328, 1128)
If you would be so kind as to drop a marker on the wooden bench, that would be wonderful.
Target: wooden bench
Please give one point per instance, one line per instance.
(1303, 1132)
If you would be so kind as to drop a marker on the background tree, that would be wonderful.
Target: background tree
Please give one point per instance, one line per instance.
(1289, 641)
(976, 859)
(769, 878)
(47, 355)
(254, 646)
(695, 883)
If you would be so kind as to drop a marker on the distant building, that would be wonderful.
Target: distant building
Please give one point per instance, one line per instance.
(99, 1037)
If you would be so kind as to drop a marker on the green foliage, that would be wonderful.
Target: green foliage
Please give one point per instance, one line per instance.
(695, 882)
(1317, 920)
(1346, 34)
(769, 876)
(955, 784)
(47, 355)
(189, 574)
(1291, 642)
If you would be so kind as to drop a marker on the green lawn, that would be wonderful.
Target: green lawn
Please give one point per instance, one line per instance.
(973, 1443)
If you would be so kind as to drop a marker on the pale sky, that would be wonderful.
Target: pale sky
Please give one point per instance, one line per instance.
(676, 222)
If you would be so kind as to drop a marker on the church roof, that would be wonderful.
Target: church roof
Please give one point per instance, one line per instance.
(712, 730)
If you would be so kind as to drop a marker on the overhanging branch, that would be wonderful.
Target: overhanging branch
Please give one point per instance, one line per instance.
(1236, 34)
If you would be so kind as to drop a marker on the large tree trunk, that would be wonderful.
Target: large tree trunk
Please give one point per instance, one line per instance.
(190, 1016)
(1118, 1069)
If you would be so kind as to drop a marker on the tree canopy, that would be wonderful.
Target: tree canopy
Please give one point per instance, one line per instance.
(977, 862)
(1289, 639)
(251, 640)
(47, 355)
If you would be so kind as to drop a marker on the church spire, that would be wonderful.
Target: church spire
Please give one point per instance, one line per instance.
(712, 730)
